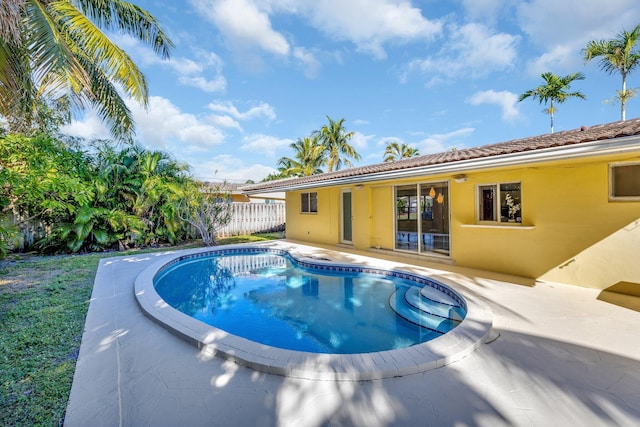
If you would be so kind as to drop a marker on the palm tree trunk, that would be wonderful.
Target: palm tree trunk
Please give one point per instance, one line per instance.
(623, 98)
(551, 114)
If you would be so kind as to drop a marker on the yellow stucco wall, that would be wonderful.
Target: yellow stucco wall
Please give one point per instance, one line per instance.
(565, 209)
(321, 227)
(570, 232)
(382, 226)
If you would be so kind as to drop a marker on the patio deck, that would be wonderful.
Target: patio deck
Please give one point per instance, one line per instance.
(563, 357)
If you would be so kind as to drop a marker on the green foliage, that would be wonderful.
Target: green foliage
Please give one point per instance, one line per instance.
(107, 198)
(397, 151)
(42, 177)
(554, 91)
(309, 157)
(622, 55)
(56, 51)
(328, 146)
(335, 139)
(9, 236)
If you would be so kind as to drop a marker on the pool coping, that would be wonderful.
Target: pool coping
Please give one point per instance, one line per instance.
(448, 348)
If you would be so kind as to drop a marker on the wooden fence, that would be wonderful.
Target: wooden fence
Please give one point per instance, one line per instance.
(30, 231)
(247, 218)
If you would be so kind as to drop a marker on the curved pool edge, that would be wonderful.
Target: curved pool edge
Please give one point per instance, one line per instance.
(452, 346)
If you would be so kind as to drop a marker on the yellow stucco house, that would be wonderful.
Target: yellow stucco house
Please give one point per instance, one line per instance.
(562, 207)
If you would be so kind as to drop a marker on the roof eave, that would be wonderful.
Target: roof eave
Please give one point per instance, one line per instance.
(571, 151)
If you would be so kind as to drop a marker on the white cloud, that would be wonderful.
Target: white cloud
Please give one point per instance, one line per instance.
(217, 84)
(550, 22)
(438, 143)
(181, 65)
(265, 144)
(196, 74)
(244, 24)
(308, 61)
(360, 141)
(223, 121)
(562, 29)
(370, 24)
(227, 115)
(227, 167)
(504, 99)
(164, 126)
(90, 126)
(161, 126)
(204, 74)
(487, 10)
(473, 50)
(558, 58)
(228, 109)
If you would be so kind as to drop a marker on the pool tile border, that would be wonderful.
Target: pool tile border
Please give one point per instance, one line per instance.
(443, 350)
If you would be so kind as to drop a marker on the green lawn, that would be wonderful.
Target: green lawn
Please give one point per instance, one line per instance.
(43, 305)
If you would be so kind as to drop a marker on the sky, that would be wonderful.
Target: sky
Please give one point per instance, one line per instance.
(247, 78)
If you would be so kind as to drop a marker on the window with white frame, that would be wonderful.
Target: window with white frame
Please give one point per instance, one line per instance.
(624, 181)
(309, 202)
(500, 202)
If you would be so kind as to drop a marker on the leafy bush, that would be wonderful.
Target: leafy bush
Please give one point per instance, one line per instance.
(106, 198)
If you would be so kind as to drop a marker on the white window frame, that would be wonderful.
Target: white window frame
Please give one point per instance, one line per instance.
(612, 196)
(497, 203)
(309, 195)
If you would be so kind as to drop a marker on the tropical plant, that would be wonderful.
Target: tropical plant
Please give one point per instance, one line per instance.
(92, 229)
(308, 158)
(335, 140)
(554, 91)
(207, 208)
(9, 235)
(621, 54)
(109, 198)
(158, 183)
(42, 178)
(396, 151)
(55, 52)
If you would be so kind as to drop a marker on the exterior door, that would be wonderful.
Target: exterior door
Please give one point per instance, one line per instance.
(422, 217)
(347, 218)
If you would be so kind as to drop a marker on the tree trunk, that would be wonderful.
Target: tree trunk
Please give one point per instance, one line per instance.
(623, 98)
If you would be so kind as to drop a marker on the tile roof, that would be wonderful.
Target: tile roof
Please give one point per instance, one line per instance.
(571, 137)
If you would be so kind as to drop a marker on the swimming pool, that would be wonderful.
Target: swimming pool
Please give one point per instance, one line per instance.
(269, 297)
(328, 356)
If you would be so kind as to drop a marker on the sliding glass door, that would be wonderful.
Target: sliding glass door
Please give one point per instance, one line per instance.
(422, 217)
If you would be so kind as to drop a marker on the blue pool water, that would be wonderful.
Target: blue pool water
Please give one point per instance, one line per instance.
(275, 300)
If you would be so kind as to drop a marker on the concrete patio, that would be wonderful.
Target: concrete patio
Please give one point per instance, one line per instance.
(564, 356)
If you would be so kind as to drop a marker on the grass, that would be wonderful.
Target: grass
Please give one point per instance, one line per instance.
(43, 305)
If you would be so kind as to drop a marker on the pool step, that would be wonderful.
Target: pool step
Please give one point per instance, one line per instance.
(416, 299)
(435, 295)
(427, 314)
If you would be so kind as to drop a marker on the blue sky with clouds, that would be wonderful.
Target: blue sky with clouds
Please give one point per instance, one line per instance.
(249, 77)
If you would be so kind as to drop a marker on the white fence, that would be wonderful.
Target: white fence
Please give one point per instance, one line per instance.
(247, 218)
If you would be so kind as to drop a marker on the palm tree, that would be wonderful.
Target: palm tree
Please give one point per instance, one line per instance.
(621, 54)
(308, 159)
(396, 151)
(335, 140)
(52, 50)
(554, 91)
